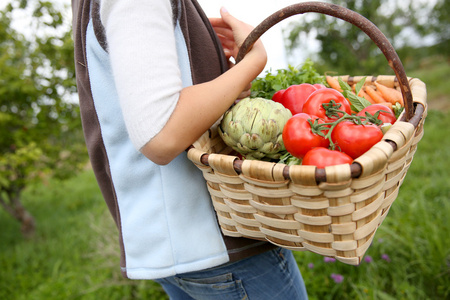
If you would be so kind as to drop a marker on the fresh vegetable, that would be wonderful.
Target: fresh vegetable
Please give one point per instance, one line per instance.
(327, 104)
(357, 103)
(398, 109)
(300, 134)
(274, 81)
(387, 104)
(361, 96)
(322, 157)
(378, 111)
(376, 96)
(289, 159)
(330, 119)
(295, 96)
(254, 126)
(278, 95)
(333, 83)
(389, 94)
(355, 139)
(365, 96)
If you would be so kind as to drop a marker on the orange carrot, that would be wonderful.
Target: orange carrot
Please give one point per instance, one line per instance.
(390, 94)
(376, 97)
(334, 83)
(364, 95)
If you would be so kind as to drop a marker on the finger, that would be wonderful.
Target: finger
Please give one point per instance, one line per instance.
(228, 53)
(227, 17)
(239, 28)
(227, 43)
(230, 49)
(226, 32)
(218, 22)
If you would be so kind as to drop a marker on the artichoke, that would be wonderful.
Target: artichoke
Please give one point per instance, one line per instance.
(254, 127)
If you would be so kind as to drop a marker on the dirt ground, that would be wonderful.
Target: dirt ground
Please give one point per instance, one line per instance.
(441, 103)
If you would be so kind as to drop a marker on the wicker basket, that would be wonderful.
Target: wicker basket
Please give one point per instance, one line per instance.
(333, 211)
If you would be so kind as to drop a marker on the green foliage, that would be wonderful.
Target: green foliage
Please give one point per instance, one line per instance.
(357, 103)
(266, 86)
(439, 23)
(16, 168)
(40, 129)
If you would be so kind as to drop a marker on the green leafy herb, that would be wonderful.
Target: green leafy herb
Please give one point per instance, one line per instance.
(266, 86)
(289, 159)
(357, 103)
(398, 109)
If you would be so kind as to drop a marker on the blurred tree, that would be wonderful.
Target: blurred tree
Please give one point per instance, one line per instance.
(344, 48)
(40, 130)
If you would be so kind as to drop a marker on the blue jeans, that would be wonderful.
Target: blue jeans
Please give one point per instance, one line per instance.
(271, 275)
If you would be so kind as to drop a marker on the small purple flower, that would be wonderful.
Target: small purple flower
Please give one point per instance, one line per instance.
(329, 259)
(386, 257)
(368, 259)
(311, 265)
(338, 278)
(380, 240)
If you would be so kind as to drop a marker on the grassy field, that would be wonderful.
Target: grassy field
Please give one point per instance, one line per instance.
(74, 254)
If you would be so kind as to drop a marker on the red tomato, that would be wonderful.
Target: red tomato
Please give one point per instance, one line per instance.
(295, 96)
(314, 104)
(355, 139)
(323, 157)
(277, 96)
(386, 115)
(298, 137)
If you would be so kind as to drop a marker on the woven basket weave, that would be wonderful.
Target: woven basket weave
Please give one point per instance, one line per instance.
(333, 211)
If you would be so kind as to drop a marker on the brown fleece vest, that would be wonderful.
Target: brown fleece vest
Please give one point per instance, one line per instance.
(207, 62)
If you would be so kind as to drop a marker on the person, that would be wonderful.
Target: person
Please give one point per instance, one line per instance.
(152, 77)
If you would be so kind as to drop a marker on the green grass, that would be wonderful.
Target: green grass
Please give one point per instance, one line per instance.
(74, 253)
(434, 71)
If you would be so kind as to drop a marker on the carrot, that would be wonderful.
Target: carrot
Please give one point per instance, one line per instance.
(364, 95)
(334, 83)
(376, 97)
(390, 94)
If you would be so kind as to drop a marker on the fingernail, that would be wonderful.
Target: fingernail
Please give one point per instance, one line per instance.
(223, 9)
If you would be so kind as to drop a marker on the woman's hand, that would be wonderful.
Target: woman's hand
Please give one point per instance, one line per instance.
(232, 34)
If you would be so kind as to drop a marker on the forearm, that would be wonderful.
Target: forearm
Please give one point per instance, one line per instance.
(200, 106)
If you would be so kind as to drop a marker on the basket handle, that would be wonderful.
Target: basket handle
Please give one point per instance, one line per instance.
(349, 16)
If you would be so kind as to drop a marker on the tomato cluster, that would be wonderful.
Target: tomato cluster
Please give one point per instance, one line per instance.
(324, 130)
